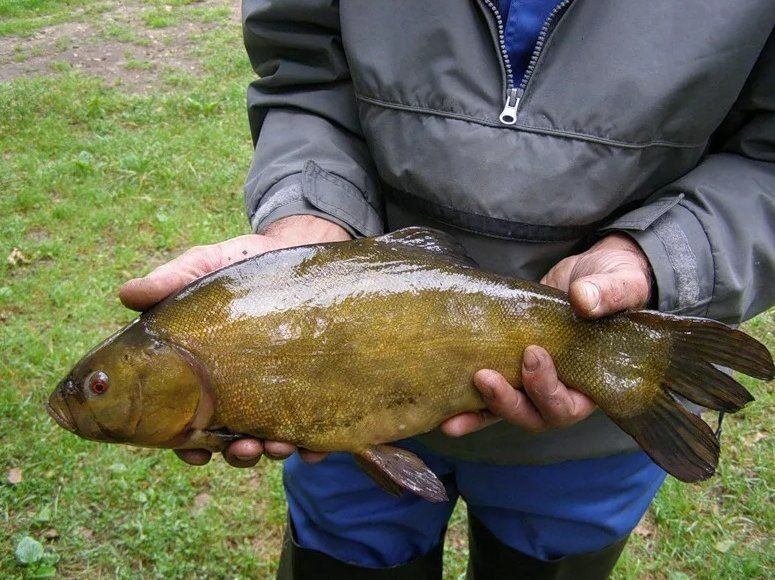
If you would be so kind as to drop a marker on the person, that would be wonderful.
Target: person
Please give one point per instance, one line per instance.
(621, 151)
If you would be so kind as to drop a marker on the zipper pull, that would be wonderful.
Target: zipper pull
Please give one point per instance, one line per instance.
(509, 113)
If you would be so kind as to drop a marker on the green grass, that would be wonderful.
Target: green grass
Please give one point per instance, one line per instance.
(25, 8)
(99, 185)
(25, 17)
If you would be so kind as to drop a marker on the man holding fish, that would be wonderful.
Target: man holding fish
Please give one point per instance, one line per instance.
(622, 152)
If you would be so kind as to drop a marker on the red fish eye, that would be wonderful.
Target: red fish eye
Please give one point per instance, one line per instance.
(98, 383)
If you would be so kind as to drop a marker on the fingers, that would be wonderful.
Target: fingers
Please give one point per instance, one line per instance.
(506, 402)
(312, 457)
(142, 293)
(247, 452)
(555, 404)
(465, 423)
(545, 403)
(559, 276)
(283, 450)
(503, 402)
(603, 294)
(194, 456)
(244, 452)
(612, 276)
(278, 449)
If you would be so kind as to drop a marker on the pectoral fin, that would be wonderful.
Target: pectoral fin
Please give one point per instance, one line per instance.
(211, 439)
(379, 477)
(395, 469)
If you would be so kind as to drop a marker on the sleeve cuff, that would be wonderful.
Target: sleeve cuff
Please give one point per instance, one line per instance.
(285, 200)
(317, 192)
(679, 253)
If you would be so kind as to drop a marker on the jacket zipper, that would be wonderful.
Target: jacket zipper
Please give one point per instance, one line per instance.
(509, 114)
(514, 94)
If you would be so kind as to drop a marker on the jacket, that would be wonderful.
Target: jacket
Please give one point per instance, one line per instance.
(654, 118)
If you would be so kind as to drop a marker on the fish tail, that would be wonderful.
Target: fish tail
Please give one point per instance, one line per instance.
(677, 440)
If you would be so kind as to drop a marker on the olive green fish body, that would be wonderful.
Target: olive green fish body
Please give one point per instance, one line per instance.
(347, 346)
(338, 348)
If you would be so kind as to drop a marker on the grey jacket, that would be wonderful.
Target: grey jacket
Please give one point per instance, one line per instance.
(656, 118)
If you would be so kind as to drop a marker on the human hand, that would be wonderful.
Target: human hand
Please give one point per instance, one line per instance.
(613, 275)
(142, 293)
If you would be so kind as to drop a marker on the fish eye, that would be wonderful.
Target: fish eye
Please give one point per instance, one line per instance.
(98, 382)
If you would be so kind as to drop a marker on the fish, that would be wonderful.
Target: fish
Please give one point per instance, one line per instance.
(352, 346)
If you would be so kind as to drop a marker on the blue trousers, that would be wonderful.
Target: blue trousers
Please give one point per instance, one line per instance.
(545, 511)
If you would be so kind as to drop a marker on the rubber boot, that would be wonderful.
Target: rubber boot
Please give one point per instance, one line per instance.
(297, 563)
(491, 559)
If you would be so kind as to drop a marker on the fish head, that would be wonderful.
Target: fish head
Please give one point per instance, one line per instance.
(133, 388)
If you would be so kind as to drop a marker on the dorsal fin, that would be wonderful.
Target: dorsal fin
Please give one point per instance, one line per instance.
(430, 240)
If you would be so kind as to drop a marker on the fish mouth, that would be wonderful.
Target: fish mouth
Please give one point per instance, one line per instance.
(60, 412)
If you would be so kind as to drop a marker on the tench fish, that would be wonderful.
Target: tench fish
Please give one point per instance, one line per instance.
(349, 346)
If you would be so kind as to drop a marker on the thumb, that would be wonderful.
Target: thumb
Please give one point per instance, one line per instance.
(142, 293)
(604, 294)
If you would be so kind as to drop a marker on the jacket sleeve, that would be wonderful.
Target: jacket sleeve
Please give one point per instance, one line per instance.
(310, 156)
(710, 235)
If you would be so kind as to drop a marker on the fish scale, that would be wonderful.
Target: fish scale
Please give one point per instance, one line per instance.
(350, 346)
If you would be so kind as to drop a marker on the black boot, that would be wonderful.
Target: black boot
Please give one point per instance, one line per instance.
(491, 559)
(297, 563)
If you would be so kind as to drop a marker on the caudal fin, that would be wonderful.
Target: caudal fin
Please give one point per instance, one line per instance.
(678, 441)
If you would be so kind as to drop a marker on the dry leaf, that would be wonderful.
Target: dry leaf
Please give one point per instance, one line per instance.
(16, 258)
(646, 527)
(50, 534)
(200, 502)
(757, 436)
(15, 476)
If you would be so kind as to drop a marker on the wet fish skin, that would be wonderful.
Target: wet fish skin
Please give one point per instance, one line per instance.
(296, 325)
(347, 346)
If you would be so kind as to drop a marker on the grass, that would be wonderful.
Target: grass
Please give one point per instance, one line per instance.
(100, 184)
(25, 17)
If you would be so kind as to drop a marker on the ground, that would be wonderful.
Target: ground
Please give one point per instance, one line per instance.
(128, 45)
(123, 141)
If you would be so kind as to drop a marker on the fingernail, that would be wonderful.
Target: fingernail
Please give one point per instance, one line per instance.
(531, 361)
(591, 294)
